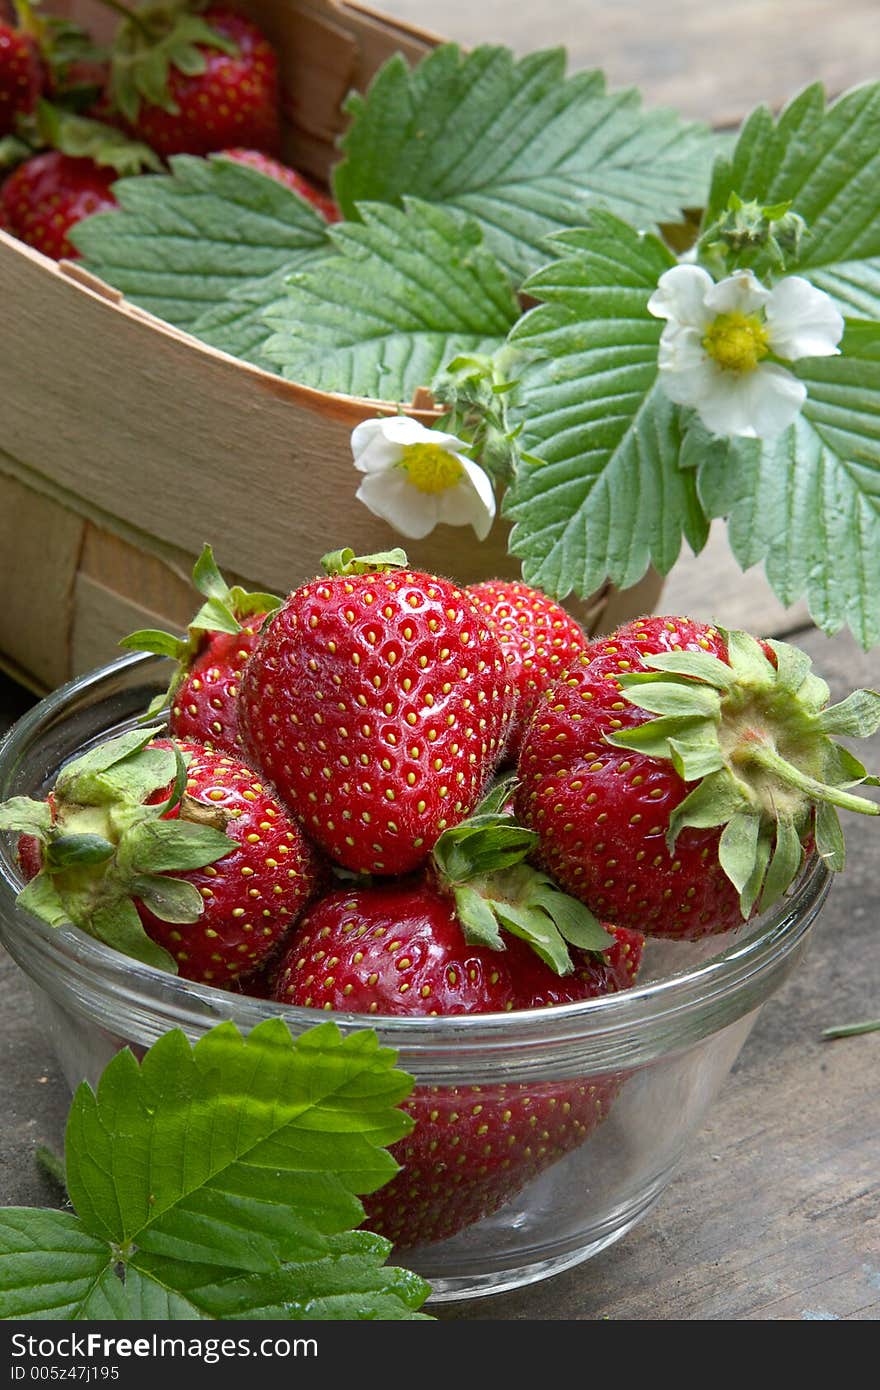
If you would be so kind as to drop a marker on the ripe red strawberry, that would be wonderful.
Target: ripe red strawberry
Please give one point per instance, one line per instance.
(539, 640)
(205, 874)
(686, 824)
(401, 950)
(291, 178)
(203, 692)
(21, 76)
(377, 704)
(193, 84)
(49, 194)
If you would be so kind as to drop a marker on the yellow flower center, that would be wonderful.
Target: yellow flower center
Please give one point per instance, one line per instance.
(737, 342)
(430, 467)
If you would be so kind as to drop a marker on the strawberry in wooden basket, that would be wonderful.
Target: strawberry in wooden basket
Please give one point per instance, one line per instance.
(677, 772)
(70, 176)
(291, 178)
(49, 194)
(21, 76)
(479, 932)
(190, 83)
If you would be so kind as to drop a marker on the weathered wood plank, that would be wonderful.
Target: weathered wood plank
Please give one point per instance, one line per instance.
(710, 61)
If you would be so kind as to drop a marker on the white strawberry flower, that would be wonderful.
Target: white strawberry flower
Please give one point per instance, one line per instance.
(416, 477)
(720, 348)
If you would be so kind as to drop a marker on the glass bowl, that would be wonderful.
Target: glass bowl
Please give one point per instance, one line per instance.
(645, 1063)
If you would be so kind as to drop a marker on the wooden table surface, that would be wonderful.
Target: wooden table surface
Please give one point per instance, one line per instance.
(775, 1211)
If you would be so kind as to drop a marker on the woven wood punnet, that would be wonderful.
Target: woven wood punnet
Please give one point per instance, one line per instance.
(125, 444)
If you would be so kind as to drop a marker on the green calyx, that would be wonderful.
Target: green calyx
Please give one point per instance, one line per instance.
(753, 234)
(83, 138)
(476, 393)
(55, 127)
(337, 563)
(754, 739)
(222, 610)
(152, 40)
(481, 864)
(102, 846)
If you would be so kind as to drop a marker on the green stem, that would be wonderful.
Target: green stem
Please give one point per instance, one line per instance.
(118, 8)
(792, 776)
(852, 1030)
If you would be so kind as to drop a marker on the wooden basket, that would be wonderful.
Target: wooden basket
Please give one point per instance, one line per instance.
(125, 443)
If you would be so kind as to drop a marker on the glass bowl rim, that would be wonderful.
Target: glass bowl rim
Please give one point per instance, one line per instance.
(711, 988)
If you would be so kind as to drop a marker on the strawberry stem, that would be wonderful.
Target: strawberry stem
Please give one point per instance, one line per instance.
(852, 1030)
(118, 8)
(771, 761)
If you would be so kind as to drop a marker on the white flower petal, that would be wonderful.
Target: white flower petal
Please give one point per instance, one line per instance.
(372, 448)
(693, 385)
(775, 399)
(388, 495)
(754, 405)
(471, 502)
(681, 295)
(724, 407)
(680, 348)
(739, 293)
(480, 482)
(802, 321)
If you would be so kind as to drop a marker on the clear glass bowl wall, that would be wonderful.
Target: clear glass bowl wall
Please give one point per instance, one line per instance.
(657, 1054)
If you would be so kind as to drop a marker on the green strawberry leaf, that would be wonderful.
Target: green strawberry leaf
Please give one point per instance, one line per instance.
(49, 1264)
(139, 1299)
(408, 291)
(608, 497)
(518, 147)
(348, 1280)
(221, 1181)
(807, 503)
(238, 324)
(180, 244)
(792, 664)
(700, 665)
(154, 1152)
(825, 162)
